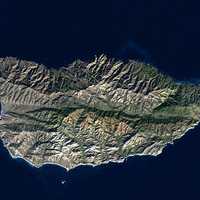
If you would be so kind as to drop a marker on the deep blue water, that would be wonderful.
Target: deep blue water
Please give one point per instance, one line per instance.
(165, 33)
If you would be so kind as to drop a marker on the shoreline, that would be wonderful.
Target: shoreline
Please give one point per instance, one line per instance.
(111, 160)
(103, 163)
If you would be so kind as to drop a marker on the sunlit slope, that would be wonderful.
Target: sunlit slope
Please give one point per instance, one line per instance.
(91, 112)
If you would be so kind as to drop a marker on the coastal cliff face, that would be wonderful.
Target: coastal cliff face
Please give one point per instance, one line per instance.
(91, 112)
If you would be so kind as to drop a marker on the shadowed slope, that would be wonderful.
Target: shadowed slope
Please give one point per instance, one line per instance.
(91, 112)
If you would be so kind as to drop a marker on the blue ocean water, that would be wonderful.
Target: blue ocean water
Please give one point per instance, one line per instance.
(165, 33)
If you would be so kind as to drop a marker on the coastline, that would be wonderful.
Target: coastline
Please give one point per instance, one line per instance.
(103, 163)
(111, 160)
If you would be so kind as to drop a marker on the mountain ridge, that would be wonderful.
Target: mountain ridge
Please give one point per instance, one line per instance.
(92, 112)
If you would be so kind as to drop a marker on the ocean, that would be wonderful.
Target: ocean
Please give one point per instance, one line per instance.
(164, 33)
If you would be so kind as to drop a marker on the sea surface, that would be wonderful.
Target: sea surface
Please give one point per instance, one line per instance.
(164, 33)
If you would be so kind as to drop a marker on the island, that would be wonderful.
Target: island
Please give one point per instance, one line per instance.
(91, 112)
